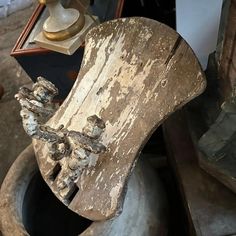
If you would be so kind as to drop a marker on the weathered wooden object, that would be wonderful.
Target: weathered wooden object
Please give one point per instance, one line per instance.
(210, 206)
(135, 72)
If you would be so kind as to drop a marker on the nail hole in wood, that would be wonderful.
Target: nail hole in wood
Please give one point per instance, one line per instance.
(74, 191)
(56, 170)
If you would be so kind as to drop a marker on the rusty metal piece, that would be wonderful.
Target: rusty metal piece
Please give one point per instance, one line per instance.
(135, 73)
(37, 108)
(72, 148)
(94, 127)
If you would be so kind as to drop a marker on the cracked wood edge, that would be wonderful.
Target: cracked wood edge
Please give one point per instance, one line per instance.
(135, 72)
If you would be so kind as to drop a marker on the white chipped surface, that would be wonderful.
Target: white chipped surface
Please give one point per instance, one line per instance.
(113, 194)
(95, 79)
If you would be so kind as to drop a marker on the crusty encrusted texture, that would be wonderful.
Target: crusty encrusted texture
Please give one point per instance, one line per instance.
(71, 149)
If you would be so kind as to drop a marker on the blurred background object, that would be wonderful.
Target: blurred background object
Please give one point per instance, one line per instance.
(8, 7)
(13, 138)
(198, 23)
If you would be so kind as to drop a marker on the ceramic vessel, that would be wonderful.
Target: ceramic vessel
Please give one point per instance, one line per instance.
(28, 207)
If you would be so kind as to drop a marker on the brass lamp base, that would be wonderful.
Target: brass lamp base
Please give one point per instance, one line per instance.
(67, 33)
(69, 45)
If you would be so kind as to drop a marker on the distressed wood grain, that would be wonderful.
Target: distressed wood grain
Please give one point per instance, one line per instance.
(135, 72)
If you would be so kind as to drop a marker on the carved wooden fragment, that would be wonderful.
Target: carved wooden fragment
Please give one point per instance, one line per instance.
(135, 72)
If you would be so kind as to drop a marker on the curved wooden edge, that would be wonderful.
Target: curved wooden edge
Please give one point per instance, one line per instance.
(170, 68)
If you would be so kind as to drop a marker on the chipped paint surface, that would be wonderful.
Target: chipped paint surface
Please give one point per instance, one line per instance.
(135, 72)
(113, 194)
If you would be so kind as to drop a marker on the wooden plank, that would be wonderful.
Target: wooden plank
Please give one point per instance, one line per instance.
(210, 206)
(135, 72)
(227, 62)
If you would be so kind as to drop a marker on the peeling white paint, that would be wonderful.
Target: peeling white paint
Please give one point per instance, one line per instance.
(98, 177)
(113, 194)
